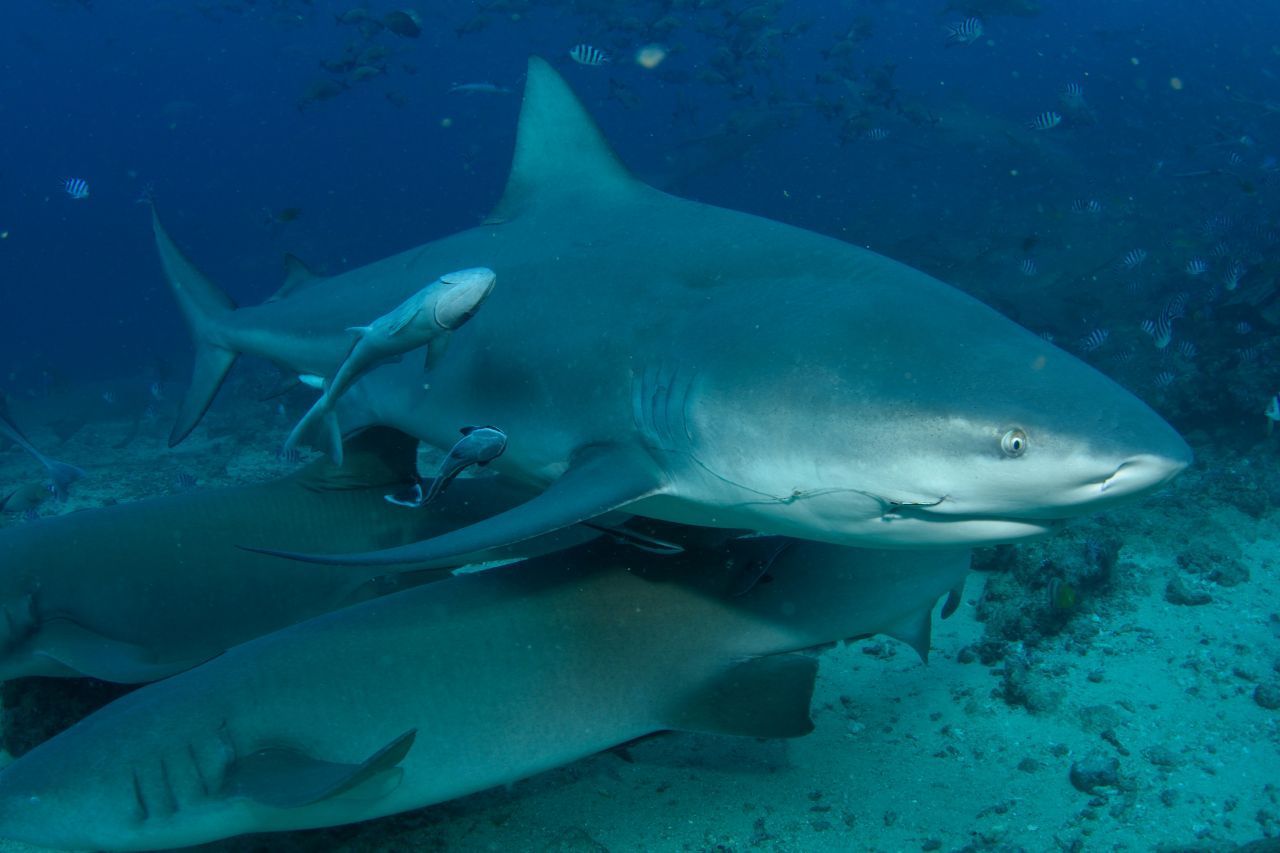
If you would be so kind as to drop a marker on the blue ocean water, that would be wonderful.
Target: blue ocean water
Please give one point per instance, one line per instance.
(297, 126)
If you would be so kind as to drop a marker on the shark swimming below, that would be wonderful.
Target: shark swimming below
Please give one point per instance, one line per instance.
(138, 591)
(702, 366)
(479, 680)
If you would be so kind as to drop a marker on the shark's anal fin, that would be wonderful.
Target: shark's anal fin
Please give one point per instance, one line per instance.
(601, 479)
(93, 655)
(916, 630)
(760, 697)
(289, 779)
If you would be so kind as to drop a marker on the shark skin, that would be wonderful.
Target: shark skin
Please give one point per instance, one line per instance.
(450, 688)
(702, 366)
(136, 592)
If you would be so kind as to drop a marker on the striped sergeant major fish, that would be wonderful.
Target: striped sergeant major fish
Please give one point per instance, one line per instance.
(585, 54)
(77, 188)
(1046, 120)
(1272, 412)
(964, 32)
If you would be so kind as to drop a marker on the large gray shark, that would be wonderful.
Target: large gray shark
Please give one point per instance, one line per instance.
(698, 365)
(138, 591)
(453, 687)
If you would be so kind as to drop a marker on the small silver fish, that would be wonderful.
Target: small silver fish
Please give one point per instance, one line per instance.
(1164, 379)
(964, 32)
(77, 188)
(1028, 267)
(1046, 120)
(1231, 279)
(480, 89)
(1133, 258)
(1072, 97)
(1243, 328)
(876, 134)
(478, 446)
(585, 54)
(1160, 330)
(1094, 340)
(1086, 205)
(1197, 266)
(1187, 350)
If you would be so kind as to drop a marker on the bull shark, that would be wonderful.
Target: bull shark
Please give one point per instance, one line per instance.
(386, 706)
(698, 365)
(138, 591)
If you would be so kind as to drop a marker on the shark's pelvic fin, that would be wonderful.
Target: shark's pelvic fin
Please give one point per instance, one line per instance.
(561, 156)
(297, 276)
(203, 305)
(290, 779)
(600, 480)
(760, 697)
(91, 654)
(378, 457)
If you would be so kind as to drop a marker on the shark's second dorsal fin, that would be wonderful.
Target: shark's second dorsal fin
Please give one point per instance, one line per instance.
(297, 275)
(561, 156)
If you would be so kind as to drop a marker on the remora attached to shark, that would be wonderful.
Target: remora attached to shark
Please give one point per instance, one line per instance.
(698, 365)
(138, 591)
(500, 674)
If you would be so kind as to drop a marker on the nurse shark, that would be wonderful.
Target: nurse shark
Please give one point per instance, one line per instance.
(457, 686)
(138, 591)
(703, 366)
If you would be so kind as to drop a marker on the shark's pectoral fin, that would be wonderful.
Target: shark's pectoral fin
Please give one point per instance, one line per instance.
(91, 654)
(954, 598)
(601, 479)
(289, 779)
(760, 697)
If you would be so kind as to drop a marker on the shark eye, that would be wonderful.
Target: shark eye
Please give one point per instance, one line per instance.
(1014, 443)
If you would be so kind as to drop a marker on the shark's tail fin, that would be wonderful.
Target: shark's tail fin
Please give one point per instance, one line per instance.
(205, 308)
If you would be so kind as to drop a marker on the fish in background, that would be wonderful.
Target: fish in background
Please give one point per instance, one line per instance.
(76, 188)
(386, 706)
(585, 54)
(964, 32)
(61, 474)
(479, 89)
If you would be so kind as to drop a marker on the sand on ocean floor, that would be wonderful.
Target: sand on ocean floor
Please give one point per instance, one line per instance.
(904, 756)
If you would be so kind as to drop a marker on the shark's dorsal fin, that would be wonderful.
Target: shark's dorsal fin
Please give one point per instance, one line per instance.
(297, 275)
(561, 157)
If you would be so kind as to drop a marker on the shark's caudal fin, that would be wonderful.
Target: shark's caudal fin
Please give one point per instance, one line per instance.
(561, 157)
(203, 306)
(600, 481)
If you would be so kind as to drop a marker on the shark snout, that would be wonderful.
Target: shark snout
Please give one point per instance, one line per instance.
(1143, 473)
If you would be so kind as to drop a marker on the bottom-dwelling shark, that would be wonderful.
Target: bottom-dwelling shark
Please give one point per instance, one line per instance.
(453, 687)
(138, 591)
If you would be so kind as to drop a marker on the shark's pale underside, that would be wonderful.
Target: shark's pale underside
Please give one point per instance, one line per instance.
(699, 365)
